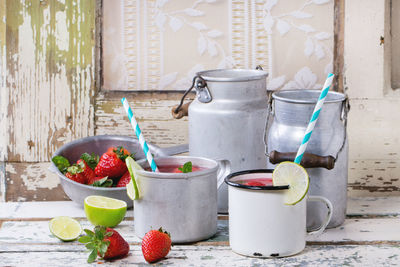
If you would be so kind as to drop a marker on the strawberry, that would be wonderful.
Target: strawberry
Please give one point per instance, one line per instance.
(76, 173)
(87, 171)
(125, 179)
(156, 245)
(100, 181)
(104, 242)
(112, 163)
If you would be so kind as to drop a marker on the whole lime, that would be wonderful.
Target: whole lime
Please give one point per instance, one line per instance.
(104, 211)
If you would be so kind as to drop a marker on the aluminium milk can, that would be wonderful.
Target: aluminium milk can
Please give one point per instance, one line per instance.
(326, 158)
(227, 120)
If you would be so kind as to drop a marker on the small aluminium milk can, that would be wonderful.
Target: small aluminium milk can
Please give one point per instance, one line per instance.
(227, 120)
(326, 157)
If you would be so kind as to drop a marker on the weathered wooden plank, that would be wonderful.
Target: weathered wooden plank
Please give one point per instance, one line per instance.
(38, 232)
(338, 42)
(50, 75)
(3, 89)
(363, 206)
(32, 182)
(374, 177)
(352, 231)
(2, 181)
(383, 255)
(152, 111)
(373, 206)
(40, 210)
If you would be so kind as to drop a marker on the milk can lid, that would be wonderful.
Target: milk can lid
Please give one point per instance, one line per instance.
(306, 96)
(232, 75)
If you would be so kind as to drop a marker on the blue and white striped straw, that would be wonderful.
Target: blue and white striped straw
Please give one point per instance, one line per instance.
(139, 135)
(314, 118)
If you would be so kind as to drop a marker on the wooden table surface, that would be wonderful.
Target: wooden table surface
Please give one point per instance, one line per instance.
(370, 236)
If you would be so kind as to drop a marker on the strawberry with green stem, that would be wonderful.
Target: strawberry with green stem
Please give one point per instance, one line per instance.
(156, 244)
(104, 242)
(112, 163)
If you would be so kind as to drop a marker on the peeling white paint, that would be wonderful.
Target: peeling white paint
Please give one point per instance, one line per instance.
(10, 169)
(47, 109)
(62, 40)
(3, 90)
(34, 178)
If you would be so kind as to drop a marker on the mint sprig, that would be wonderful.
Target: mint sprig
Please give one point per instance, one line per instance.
(95, 243)
(187, 167)
(91, 159)
(61, 163)
(103, 182)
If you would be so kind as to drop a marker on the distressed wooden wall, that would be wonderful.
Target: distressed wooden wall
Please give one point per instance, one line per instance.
(49, 77)
(49, 53)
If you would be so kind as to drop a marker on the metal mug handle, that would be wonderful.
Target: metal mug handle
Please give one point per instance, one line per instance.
(329, 206)
(224, 168)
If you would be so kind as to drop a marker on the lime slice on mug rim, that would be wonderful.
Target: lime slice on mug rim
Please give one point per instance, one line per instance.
(132, 188)
(294, 175)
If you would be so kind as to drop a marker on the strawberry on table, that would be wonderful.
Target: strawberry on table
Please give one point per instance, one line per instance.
(125, 179)
(112, 163)
(156, 244)
(104, 242)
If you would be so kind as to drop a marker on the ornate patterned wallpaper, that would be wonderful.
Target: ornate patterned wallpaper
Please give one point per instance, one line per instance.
(161, 44)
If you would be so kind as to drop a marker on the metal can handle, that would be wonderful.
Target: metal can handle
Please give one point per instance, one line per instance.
(309, 160)
(271, 113)
(202, 93)
(329, 206)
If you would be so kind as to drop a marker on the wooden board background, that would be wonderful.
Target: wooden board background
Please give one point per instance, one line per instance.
(50, 81)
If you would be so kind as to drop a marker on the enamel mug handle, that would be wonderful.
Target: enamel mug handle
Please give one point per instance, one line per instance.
(224, 168)
(328, 216)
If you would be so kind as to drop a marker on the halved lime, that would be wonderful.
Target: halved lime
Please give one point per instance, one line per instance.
(132, 188)
(65, 228)
(294, 175)
(104, 211)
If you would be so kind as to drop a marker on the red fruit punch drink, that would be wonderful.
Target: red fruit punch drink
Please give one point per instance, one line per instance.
(174, 168)
(265, 180)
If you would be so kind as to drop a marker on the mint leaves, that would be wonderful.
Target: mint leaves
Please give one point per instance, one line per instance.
(61, 163)
(91, 160)
(187, 167)
(104, 182)
(95, 242)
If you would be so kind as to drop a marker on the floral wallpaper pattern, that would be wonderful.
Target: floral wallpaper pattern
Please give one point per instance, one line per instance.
(161, 44)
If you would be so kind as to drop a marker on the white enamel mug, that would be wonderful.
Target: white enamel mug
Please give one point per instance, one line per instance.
(260, 224)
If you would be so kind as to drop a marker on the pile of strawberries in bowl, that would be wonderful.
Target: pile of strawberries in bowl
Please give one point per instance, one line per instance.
(109, 170)
(88, 154)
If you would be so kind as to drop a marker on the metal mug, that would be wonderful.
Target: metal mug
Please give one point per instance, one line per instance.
(184, 204)
(260, 224)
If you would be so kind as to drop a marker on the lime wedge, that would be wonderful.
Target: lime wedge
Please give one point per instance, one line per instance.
(294, 175)
(104, 211)
(65, 228)
(132, 188)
